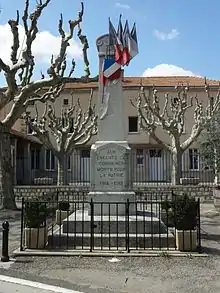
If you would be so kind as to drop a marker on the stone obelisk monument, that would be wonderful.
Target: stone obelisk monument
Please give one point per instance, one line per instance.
(110, 155)
(111, 182)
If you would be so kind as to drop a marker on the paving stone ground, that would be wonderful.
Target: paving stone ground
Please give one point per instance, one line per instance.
(138, 274)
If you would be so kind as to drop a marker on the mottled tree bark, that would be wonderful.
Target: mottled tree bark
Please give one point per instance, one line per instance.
(6, 170)
(62, 170)
(176, 166)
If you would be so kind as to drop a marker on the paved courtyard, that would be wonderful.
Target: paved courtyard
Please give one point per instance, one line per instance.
(138, 274)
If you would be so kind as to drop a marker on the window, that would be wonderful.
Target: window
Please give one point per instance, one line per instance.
(140, 157)
(29, 128)
(65, 102)
(68, 163)
(155, 153)
(85, 154)
(133, 124)
(193, 159)
(49, 160)
(63, 123)
(35, 159)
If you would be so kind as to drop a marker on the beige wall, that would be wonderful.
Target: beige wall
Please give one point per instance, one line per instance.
(139, 138)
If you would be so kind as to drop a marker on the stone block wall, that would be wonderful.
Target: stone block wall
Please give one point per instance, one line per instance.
(205, 193)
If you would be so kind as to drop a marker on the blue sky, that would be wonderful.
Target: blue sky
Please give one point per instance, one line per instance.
(172, 34)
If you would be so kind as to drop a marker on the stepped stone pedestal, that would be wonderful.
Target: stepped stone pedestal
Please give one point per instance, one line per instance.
(111, 178)
(141, 231)
(113, 215)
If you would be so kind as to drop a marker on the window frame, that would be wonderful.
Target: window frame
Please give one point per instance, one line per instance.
(68, 163)
(34, 152)
(64, 100)
(132, 132)
(139, 155)
(193, 153)
(45, 160)
(155, 153)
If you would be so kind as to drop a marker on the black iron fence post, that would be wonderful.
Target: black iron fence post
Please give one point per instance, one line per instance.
(199, 226)
(5, 230)
(22, 224)
(127, 205)
(91, 225)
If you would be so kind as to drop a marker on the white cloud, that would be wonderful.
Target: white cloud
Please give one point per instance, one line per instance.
(168, 70)
(163, 36)
(123, 6)
(44, 45)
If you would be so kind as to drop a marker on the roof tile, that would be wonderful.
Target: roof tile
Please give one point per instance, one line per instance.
(157, 81)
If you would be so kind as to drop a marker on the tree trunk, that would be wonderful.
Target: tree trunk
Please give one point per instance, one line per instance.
(6, 170)
(62, 170)
(176, 166)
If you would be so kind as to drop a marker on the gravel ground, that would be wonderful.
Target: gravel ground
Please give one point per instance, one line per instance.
(131, 275)
(139, 275)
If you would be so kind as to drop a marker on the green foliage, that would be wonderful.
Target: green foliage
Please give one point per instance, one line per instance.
(63, 205)
(182, 212)
(35, 214)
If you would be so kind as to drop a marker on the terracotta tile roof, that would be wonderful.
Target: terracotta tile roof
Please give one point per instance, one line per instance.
(158, 81)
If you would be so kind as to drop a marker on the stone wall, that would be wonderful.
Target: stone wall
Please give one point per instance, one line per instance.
(205, 193)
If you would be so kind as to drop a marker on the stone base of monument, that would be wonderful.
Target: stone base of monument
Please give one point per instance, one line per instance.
(112, 202)
(109, 232)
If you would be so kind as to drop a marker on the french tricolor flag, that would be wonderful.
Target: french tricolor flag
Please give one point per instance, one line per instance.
(111, 70)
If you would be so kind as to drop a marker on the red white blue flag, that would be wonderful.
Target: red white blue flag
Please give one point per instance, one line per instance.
(112, 34)
(126, 48)
(126, 54)
(133, 43)
(111, 70)
(119, 43)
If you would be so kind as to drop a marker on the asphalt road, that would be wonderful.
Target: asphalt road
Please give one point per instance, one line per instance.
(9, 284)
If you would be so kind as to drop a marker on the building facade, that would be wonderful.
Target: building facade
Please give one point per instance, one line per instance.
(150, 161)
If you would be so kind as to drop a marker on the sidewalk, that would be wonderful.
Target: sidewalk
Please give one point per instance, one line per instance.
(9, 284)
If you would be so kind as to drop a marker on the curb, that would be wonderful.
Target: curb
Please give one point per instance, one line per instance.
(164, 253)
(36, 285)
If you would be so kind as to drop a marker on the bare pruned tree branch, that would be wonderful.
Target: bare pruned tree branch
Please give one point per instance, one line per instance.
(27, 91)
(170, 114)
(85, 44)
(70, 128)
(15, 46)
(23, 89)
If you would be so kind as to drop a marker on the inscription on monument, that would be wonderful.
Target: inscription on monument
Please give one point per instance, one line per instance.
(111, 166)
